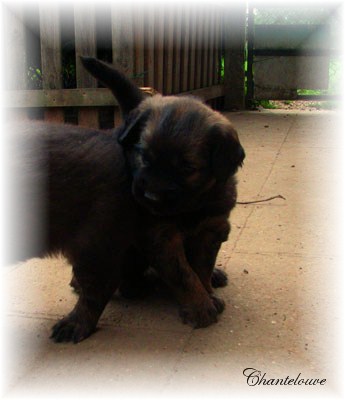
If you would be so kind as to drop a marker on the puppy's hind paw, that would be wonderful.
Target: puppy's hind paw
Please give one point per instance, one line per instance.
(69, 329)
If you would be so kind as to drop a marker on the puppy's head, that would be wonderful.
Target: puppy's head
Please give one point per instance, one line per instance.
(179, 149)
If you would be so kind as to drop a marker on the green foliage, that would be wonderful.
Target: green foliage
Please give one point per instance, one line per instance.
(69, 75)
(264, 104)
(34, 78)
(221, 67)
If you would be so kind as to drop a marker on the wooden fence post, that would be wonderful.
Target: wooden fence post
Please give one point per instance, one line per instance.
(159, 49)
(150, 47)
(85, 45)
(199, 44)
(168, 51)
(51, 54)
(234, 25)
(138, 32)
(122, 45)
(192, 24)
(185, 48)
(177, 50)
(15, 62)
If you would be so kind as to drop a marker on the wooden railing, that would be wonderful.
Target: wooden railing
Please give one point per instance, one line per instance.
(173, 51)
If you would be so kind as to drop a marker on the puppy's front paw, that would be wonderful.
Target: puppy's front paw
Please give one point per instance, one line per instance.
(218, 303)
(70, 329)
(219, 278)
(199, 316)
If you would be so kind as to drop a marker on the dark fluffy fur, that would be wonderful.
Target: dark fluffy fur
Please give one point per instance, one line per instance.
(183, 157)
(162, 202)
(86, 211)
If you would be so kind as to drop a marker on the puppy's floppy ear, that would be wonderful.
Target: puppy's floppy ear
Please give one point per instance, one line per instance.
(227, 154)
(132, 128)
(126, 92)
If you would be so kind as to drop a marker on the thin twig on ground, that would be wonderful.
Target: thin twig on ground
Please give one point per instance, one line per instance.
(279, 196)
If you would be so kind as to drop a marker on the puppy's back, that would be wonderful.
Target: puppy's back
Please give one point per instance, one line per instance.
(59, 178)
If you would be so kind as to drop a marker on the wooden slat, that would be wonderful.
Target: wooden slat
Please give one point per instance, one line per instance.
(85, 45)
(198, 59)
(186, 48)
(205, 46)
(177, 51)
(122, 39)
(51, 54)
(87, 97)
(168, 52)
(212, 45)
(85, 42)
(15, 60)
(192, 50)
(122, 45)
(150, 47)
(159, 50)
(139, 65)
(216, 61)
(221, 46)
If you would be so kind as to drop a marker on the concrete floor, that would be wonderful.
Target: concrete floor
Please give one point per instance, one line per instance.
(281, 318)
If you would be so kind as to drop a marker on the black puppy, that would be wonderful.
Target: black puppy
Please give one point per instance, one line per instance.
(183, 157)
(75, 199)
(71, 193)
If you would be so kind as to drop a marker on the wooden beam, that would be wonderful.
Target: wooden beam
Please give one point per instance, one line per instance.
(59, 98)
(88, 97)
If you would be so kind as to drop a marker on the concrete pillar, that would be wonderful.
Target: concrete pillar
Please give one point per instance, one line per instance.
(234, 26)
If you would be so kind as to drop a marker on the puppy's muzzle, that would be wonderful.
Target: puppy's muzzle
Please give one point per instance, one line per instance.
(151, 196)
(155, 192)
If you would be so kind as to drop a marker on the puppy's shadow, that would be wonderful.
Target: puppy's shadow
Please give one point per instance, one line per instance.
(149, 303)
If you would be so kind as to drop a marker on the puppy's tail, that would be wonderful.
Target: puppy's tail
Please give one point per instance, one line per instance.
(126, 92)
